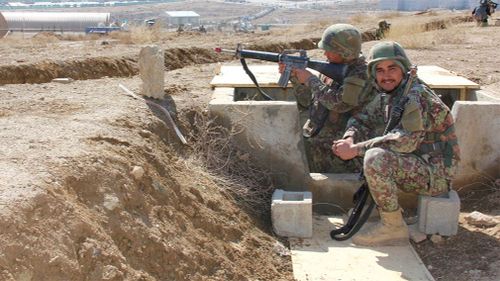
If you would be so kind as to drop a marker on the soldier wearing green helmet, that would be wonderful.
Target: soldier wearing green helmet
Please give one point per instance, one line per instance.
(329, 104)
(418, 153)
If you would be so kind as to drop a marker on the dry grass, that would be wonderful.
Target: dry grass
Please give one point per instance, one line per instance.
(360, 19)
(230, 168)
(139, 34)
(390, 15)
(413, 35)
(483, 182)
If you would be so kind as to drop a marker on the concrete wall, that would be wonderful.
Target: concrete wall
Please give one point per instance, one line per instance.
(484, 95)
(270, 129)
(478, 126)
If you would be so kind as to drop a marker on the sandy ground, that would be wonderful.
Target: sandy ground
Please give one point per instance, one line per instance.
(95, 186)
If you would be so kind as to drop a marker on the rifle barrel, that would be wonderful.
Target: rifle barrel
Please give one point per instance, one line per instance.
(260, 55)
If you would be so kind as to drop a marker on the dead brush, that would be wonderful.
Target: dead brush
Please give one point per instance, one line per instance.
(361, 18)
(231, 169)
(483, 182)
(419, 33)
(414, 34)
(139, 34)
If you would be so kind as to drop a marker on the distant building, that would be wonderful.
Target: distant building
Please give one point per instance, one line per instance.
(50, 21)
(176, 18)
(421, 5)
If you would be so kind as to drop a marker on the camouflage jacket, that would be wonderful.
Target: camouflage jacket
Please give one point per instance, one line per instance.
(335, 96)
(426, 127)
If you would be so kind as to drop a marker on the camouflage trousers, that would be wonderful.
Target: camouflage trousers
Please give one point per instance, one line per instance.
(319, 152)
(386, 172)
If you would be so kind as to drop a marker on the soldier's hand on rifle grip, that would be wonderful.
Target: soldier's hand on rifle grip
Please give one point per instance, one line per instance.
(281, 67)
(302, 75)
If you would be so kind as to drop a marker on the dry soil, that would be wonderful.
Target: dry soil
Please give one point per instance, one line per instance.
(95, 186)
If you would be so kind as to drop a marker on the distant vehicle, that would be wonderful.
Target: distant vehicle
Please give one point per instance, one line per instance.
(150, 22)
(101, 29)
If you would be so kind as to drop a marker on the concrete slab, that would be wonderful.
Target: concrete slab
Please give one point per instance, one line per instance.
(321, 258)
(439, 78)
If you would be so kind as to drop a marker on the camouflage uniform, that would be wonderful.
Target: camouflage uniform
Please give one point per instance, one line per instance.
(335, 102)
(383, 28)
(483, 11)
(419, 155)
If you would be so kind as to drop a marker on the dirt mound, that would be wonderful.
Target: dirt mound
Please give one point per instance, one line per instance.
(115, 196)
(45, 71)
(47, 37)
(94, 68)
(442, 24)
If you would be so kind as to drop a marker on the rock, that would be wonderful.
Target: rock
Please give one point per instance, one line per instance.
(145, 133)
(437, 239)
(479, 219)
(416, 235)
(62, 80)
(281, 250)
(137, 172)
(151, 68)
(111, 202)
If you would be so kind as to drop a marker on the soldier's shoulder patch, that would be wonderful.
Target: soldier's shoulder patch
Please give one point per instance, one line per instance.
(412, 116)
(353, 88)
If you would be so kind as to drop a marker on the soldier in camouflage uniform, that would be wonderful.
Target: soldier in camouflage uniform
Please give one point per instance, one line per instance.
(418, 155)
(329, 104)
(483, 11)
(383, 28)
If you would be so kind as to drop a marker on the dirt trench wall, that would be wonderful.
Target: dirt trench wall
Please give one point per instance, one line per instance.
(71, 209)
(98, 67)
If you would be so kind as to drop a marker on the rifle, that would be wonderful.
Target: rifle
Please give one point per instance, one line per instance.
(333, 70)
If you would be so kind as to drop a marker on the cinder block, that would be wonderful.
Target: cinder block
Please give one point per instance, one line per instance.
(439, 215)
(291, 213)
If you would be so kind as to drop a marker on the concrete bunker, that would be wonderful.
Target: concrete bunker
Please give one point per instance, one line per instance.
(273, 129)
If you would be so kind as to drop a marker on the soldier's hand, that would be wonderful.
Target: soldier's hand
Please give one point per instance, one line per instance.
(281, 67)
(345, 149)
(301, 74)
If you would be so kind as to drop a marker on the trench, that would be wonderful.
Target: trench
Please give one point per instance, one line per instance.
(98, 67)
(175, 58)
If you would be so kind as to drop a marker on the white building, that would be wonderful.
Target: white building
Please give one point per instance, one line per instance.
(50, 21)
(176, 18)
(420, 5)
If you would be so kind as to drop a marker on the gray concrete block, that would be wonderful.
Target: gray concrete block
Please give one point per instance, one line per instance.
(291, 213)
(477, 125)
(439, 214)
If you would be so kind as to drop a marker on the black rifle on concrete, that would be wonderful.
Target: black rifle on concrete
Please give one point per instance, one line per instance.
(332, 70)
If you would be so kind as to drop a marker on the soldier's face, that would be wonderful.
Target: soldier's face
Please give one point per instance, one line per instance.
(388, 74)
(333, 57)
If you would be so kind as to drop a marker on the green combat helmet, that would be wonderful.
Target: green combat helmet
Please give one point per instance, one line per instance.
(343, 39)
(387, 51)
